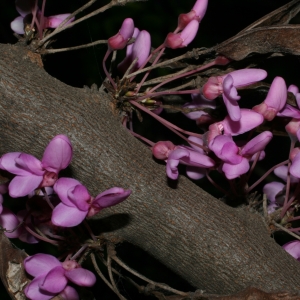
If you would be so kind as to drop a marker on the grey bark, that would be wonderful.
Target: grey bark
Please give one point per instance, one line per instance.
(216, 248)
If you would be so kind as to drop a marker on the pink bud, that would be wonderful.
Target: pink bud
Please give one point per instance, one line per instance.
(197, 13)
(182, 39)
(119, 41)
(275, 101)
(213, 88)
(55, 21)
(162, 149)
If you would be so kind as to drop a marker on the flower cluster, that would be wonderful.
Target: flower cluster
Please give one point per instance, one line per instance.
(65, 203)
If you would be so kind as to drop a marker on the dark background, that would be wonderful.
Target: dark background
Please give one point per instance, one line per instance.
(84, 67)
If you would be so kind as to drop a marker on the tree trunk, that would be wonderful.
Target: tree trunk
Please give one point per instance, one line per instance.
(216, 248)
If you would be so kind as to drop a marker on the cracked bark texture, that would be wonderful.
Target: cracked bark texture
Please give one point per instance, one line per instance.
(216, 248)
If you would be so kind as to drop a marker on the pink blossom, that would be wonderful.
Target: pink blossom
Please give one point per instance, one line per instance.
(119, 41)
(275, 100)
(32, 173)
(227, 87)
(249, 120)
(193, 157)
(236, 159)
(182, 39)
(197, 13)
(77, 203)
(140, 49)
(51, 277)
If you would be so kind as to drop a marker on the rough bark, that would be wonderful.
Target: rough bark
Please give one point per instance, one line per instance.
(216, 248)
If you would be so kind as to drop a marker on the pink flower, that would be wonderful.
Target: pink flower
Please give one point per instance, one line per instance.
(227, 87)
(33, 173)
(119, 41)
(249, 120)
(275, 100)
(51, 277)
(197, 13)
(236, 159)
(193, 157)
(77, 203)
(182, 39)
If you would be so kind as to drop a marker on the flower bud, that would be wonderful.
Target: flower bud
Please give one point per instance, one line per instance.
(119, 41)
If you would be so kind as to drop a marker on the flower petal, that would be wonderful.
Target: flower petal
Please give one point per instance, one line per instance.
(281, 172)
(81, 277)
(61, 187)
(39, 264)
(69, 293)
(234, 171)
(272, 189)
(249, 120)
(58, 154)
(22, 186)
(29, 163)
(141, 48)
(80, 196)
(56, 20)
(8, 163)
(247, 76)
(54, 281)
(111, 197)
(66, 216)
(9, 221)
(257, 144)
(293, 248)
(195, 173)
(33, 291)
(17, 25)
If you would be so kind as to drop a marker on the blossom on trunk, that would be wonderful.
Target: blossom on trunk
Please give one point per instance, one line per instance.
(77, 203)
(32, 173)
(275, 100)
(51, 277)
(227, 87)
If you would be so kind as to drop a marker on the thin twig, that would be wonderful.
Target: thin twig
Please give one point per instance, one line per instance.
(286, 230)
(160, 285)
(51, 51)
(94, 13)
(189, 54)
(76, 12)
(140, 288)
(99, 272)
(111, 277)
(165, 77)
